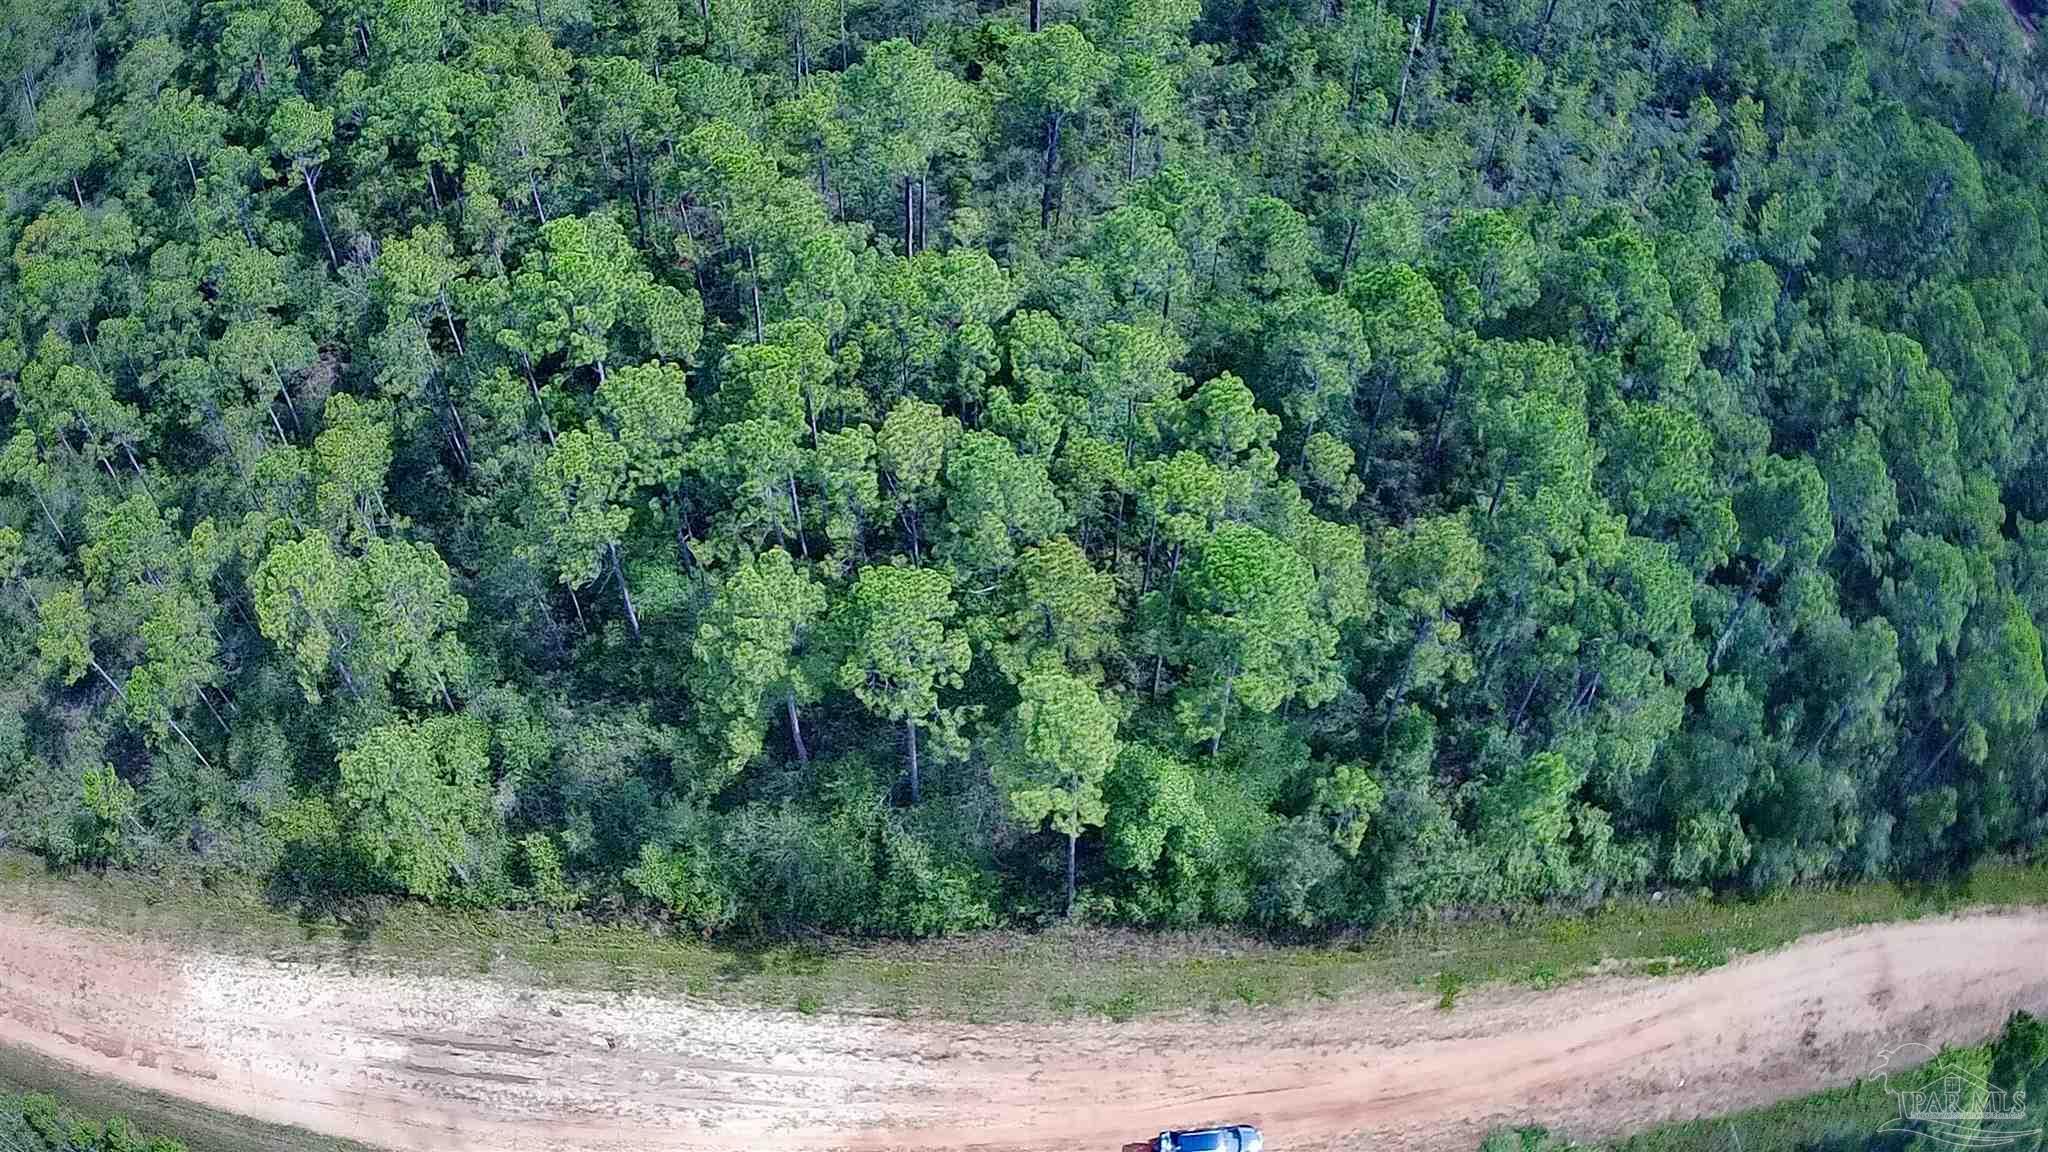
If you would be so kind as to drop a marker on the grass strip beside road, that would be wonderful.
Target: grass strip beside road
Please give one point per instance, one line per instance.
(198, 1129)
(996, 976)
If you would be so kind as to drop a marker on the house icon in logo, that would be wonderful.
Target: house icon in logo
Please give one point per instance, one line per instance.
(1953, 1107)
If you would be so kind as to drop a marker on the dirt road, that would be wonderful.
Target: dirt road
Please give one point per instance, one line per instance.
(439, 1063)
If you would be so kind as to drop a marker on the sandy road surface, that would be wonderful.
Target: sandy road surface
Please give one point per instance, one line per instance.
(438, 1063)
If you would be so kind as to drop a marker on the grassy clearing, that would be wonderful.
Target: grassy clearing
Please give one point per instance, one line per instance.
(1000, 976)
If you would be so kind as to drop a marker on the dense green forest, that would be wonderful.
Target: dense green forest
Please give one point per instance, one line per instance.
(888, 466)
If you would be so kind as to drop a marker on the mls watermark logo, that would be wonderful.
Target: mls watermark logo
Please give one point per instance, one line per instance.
(1954, 1108)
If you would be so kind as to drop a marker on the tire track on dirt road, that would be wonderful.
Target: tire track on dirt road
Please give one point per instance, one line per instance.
(422, 1062)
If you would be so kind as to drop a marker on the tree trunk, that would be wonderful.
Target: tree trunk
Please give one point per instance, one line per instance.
(796, 730)
(1943, 754)
(916, 785)
(449, 314)
(208, 701)
(1037, 14)
(1407, 674)
(458, 433)
(796, 513)
(54, 526)
(909, 222)
(547, 425)
(1429, 21)
(175, 726)
(1223, 717)
(1756, 581)
(137, 469)
(1046, 170)
(633, 187)
(1072, 839)
(796, 22)
(314, 196)
(1137, 125)
(1407, 67)
(625, 593)
(754, 287)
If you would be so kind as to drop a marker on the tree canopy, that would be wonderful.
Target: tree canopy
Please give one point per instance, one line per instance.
(899, 468)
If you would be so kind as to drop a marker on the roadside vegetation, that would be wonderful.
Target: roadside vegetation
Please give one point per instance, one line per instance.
(1865, 1116)
(48, 1107)
(987, 976)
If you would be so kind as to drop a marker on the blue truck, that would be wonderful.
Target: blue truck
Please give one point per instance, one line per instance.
(1229, 1138)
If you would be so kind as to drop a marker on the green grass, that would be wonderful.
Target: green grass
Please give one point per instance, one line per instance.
(1002, 975)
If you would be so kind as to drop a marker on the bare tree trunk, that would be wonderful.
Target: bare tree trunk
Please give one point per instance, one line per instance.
(1407, 675)
(796, 513)
(1046, 170)
(1223, 717)
(754, 287)
(547, 425)
(796, 730)
(175, 726)
(45, 506)
(1943, 754)
(909, 222)
(1749, 591)
(916, 785)
(459, 433)
(576, 602)
(448, 314)
(1037, 14)
(533, 187)
(1407, 68)
(137, 469)
(625, 593)
(314, 196)
(208, 701)
(1072, 839)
